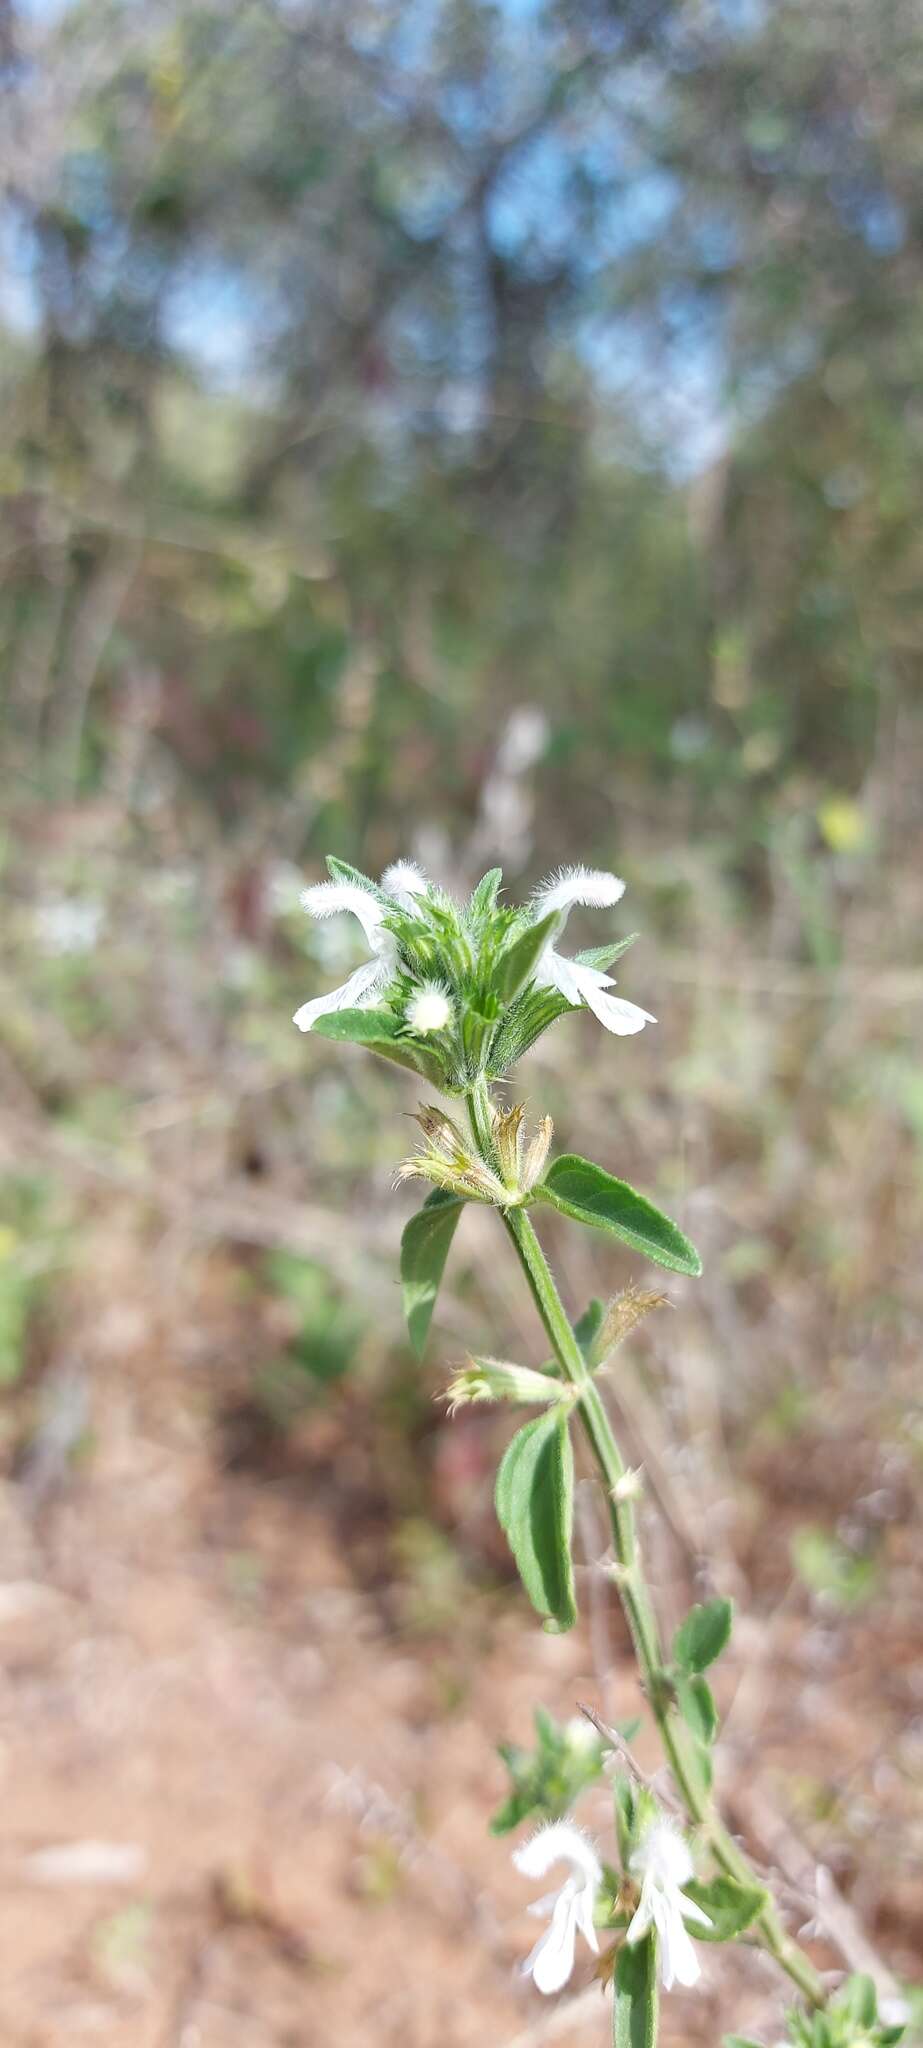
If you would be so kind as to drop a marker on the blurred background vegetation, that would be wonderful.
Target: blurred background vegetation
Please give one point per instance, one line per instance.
(478, 430)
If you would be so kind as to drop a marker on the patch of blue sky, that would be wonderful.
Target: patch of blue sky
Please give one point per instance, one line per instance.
(540, 208)
(673, 387)
(20, 306)
(870, 211)
(221, 326)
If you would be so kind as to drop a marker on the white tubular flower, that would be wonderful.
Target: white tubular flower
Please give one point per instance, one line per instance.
(552, 1958)
(401, 883)
(430, 1008)
(663, 1863)
(578, 983)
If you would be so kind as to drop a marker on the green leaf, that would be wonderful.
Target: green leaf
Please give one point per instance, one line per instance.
(634, 2004)
(379, 1032)
(731, 1907)
(585, 1192)
(485, 895)
(703, 1635)
(424, 1250)
(515, 965)
(588, 1326)
(604, 957)
(739, 2041)
(859, 1999)
(696, 1703)
(535, 1507)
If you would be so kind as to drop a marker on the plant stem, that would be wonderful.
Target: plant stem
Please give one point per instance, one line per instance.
(679, 1746)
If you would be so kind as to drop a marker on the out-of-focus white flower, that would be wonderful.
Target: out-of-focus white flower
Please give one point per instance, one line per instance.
(283, 888)
(400, 885)
(894, 2012)
(581, 1735)
(430, 1008)
(577, 982)
(664, 1864)
(567, 1910)
(68, 924)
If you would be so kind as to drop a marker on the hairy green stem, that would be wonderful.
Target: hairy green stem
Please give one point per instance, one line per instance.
(629, 1574)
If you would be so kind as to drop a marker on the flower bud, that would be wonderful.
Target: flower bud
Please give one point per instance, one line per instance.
(496, 1379)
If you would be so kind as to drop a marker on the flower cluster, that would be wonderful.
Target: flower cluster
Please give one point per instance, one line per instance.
(661, 1863)
(457, 991)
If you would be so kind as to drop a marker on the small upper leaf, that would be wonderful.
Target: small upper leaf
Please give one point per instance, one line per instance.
(731, 1907)
(703, 1635)
(587, 1193)
(634, 2003)
(604, 957)
(424, 1250)
(485, 895)
(535, 1507)
(517, 962)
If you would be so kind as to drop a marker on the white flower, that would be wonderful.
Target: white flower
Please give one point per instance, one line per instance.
(429, 1008)
(663, 1863)
(581, 1735)
(400, 884)
(552, 1958)
(69, 924)
(576, 981)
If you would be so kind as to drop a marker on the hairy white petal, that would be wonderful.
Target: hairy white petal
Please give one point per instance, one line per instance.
(552, 1959)
(616, 1015)
(404, 880)
(355, 994)
(585, 1903)
(590, 886)
(559, 1842)
(644, 1915)
(679, 1963)
(324, 899)
(663, 1854)
(555, 971)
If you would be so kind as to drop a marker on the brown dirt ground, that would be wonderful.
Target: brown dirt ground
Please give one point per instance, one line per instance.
(198, 1674)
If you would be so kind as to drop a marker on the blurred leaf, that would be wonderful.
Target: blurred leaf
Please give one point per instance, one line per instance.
(830, 1570)
(696, 1704)
(731, 1907)
(535, 1508)
(703, 1635)
(424, 1249)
